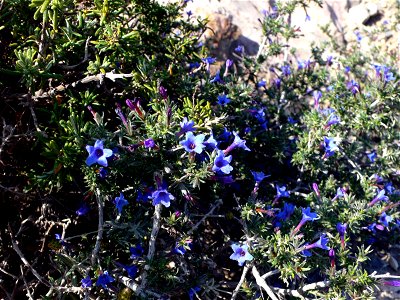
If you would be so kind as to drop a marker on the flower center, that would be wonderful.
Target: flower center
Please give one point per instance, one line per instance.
(98, 152)
(192, 146)
(242, 253)
(219, 163)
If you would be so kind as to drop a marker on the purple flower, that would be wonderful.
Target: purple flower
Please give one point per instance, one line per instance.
(222, 163)
(339, 193)
(163, 92)
(97, 154)
(223, 100)
(307, 216)
(149, 143)
(321, 243)
(186, 126)
(239, 49)
(193, 291)
(371, 156)
(330, 146)
(237, 142)
(286, 71)
(353, 86)
(120, 202)
(104, 279)
(277, 83)
(380, 197)
(358, 36)
(228, 64)
(317, 96)
(193, 143)
(241, 254)
(86, 282)
(333, 119)
(316, 189)
(385, 219)
(136, 251)
(332, 257)
(341, 228)
(392, 283)
(347, 69)
(161, 196)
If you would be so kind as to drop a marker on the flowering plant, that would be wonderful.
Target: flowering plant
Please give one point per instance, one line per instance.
(160, 156)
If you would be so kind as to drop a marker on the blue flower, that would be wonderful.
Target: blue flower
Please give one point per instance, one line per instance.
(217, 78)
(131, 270)
(222, 163)
(353, 86)
(83, 210)
(120, 202)
(281, 191)
(307, 216)
(97, 154)
(321, 243)
(136, 251)
(104, 279)
(211, 141)
(371, 156)
(186, 126)
(161, 196)
(286, 71)
(241, 254)
(261, 83)
(385, 219)
(341, 228)
(193, 291)
(317, 96)
(223, 100)
(389, 188)
(86, 282)
(330, 146)
(182, 248)
(193, 143)
(285, 213)
(277, 83)
(380, 197)
(237, 142)
(358, 36)
(239, 49)
(259, 176)
(339, 193)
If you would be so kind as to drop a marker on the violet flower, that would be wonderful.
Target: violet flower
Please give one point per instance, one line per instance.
(341, 228)
(193, 143)
(241, 254)
(307, 216)
(222, 163)
(380, 197)
(97, 154)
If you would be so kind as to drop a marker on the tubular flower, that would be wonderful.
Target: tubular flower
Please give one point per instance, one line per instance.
(222, 163)
(307, 216)
(97, 154)
(341, 228)
(241, 254)
(193, 143)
